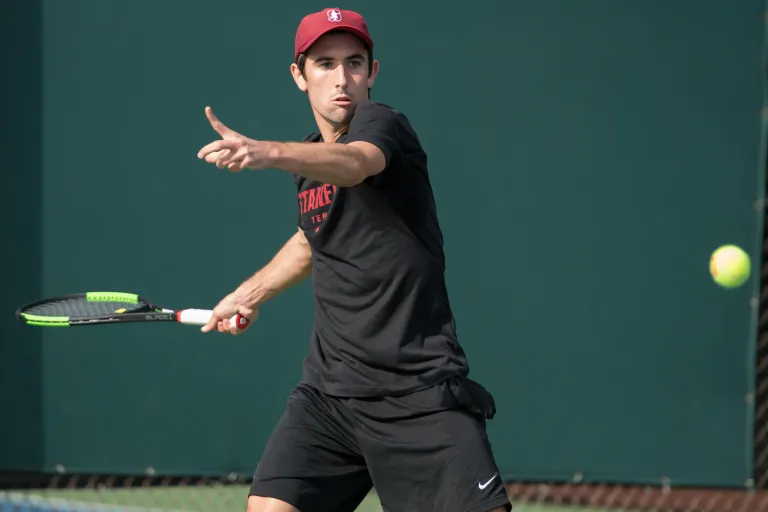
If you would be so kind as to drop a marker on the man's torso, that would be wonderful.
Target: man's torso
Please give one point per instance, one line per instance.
(383, 322)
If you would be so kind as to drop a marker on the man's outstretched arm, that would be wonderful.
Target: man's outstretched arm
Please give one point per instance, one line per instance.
(344, 165)
(291, 265)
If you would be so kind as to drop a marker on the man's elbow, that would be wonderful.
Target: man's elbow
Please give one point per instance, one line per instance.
(358, 174)
(363, 165)
(357, 171)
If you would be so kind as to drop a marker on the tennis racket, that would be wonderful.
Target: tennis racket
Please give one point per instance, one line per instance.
(94, 308)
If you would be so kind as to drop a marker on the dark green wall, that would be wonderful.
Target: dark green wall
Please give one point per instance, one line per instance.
(21, 174)
(587, 158)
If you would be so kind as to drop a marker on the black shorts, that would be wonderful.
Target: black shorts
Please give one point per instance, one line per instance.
(427, 451)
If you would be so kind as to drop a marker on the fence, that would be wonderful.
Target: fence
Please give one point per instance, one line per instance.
(145, 494)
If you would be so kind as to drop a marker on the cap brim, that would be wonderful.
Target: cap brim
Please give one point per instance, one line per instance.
(338, 28)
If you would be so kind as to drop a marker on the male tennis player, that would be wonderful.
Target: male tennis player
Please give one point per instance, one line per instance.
(385, 400)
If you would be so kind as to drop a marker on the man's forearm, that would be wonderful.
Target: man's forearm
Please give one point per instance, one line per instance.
(291, 265)
(335, 164)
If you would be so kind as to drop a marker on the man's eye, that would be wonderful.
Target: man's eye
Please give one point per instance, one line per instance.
(355, 63)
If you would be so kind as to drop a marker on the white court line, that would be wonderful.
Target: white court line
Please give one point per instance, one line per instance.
(64, 505)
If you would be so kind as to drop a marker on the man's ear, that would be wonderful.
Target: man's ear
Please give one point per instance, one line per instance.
(374, 73)
(301, 82)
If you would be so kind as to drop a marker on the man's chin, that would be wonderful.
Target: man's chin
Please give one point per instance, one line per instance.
(341, 115)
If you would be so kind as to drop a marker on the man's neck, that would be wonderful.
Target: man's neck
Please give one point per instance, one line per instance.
(329, 132)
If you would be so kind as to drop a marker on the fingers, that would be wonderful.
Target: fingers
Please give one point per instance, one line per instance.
(219, 145)
(215, 156)
(229, 158)
(246, 311)
(231, 153)
(230, 317)
(226, 326)
(233, 157)
(234, 160)
(218, 324)
(226, 160)
(213, 322)
(238, 328)
(221, 160)
(215, 123)
(245, 315)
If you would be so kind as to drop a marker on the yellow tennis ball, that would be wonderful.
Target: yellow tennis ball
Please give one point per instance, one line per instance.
(730, 266)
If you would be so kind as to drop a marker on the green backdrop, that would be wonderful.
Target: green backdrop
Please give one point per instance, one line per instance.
(21, 379)
(587, 157)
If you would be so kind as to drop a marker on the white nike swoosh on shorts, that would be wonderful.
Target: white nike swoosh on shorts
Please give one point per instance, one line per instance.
(483, 486)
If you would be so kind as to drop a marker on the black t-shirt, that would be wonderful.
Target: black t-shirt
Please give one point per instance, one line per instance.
(383, 323)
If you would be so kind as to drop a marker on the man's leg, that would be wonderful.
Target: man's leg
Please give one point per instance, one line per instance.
(312, 462)
(262, 504)
(427, 452)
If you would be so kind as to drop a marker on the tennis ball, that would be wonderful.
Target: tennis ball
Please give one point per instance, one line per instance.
(730, 266)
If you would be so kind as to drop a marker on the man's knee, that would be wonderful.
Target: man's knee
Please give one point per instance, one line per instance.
(262, 504)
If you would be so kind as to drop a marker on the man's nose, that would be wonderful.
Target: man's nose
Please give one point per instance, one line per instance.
(341, 76)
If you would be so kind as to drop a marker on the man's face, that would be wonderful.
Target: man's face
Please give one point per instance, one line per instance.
(336, 76)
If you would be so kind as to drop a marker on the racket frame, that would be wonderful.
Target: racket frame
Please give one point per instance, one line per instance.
(145, 311)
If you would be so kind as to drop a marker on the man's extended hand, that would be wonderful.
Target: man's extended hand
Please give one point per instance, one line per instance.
(226, 309)
(234, 152)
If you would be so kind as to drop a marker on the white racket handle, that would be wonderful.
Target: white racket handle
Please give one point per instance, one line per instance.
(202, 316)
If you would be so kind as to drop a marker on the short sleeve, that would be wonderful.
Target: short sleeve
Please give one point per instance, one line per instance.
(378, 124)
(298, 180)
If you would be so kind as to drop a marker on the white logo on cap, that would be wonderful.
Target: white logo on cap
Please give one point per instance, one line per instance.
(334, 15)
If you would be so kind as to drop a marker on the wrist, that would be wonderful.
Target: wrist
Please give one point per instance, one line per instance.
(251, 294)
(274, 154)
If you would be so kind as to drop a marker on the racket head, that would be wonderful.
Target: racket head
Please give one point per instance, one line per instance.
(83, 308)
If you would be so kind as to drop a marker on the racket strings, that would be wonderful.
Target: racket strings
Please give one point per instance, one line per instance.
(81, 307)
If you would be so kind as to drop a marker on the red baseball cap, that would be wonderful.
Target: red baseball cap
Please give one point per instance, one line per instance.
(314, 25)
